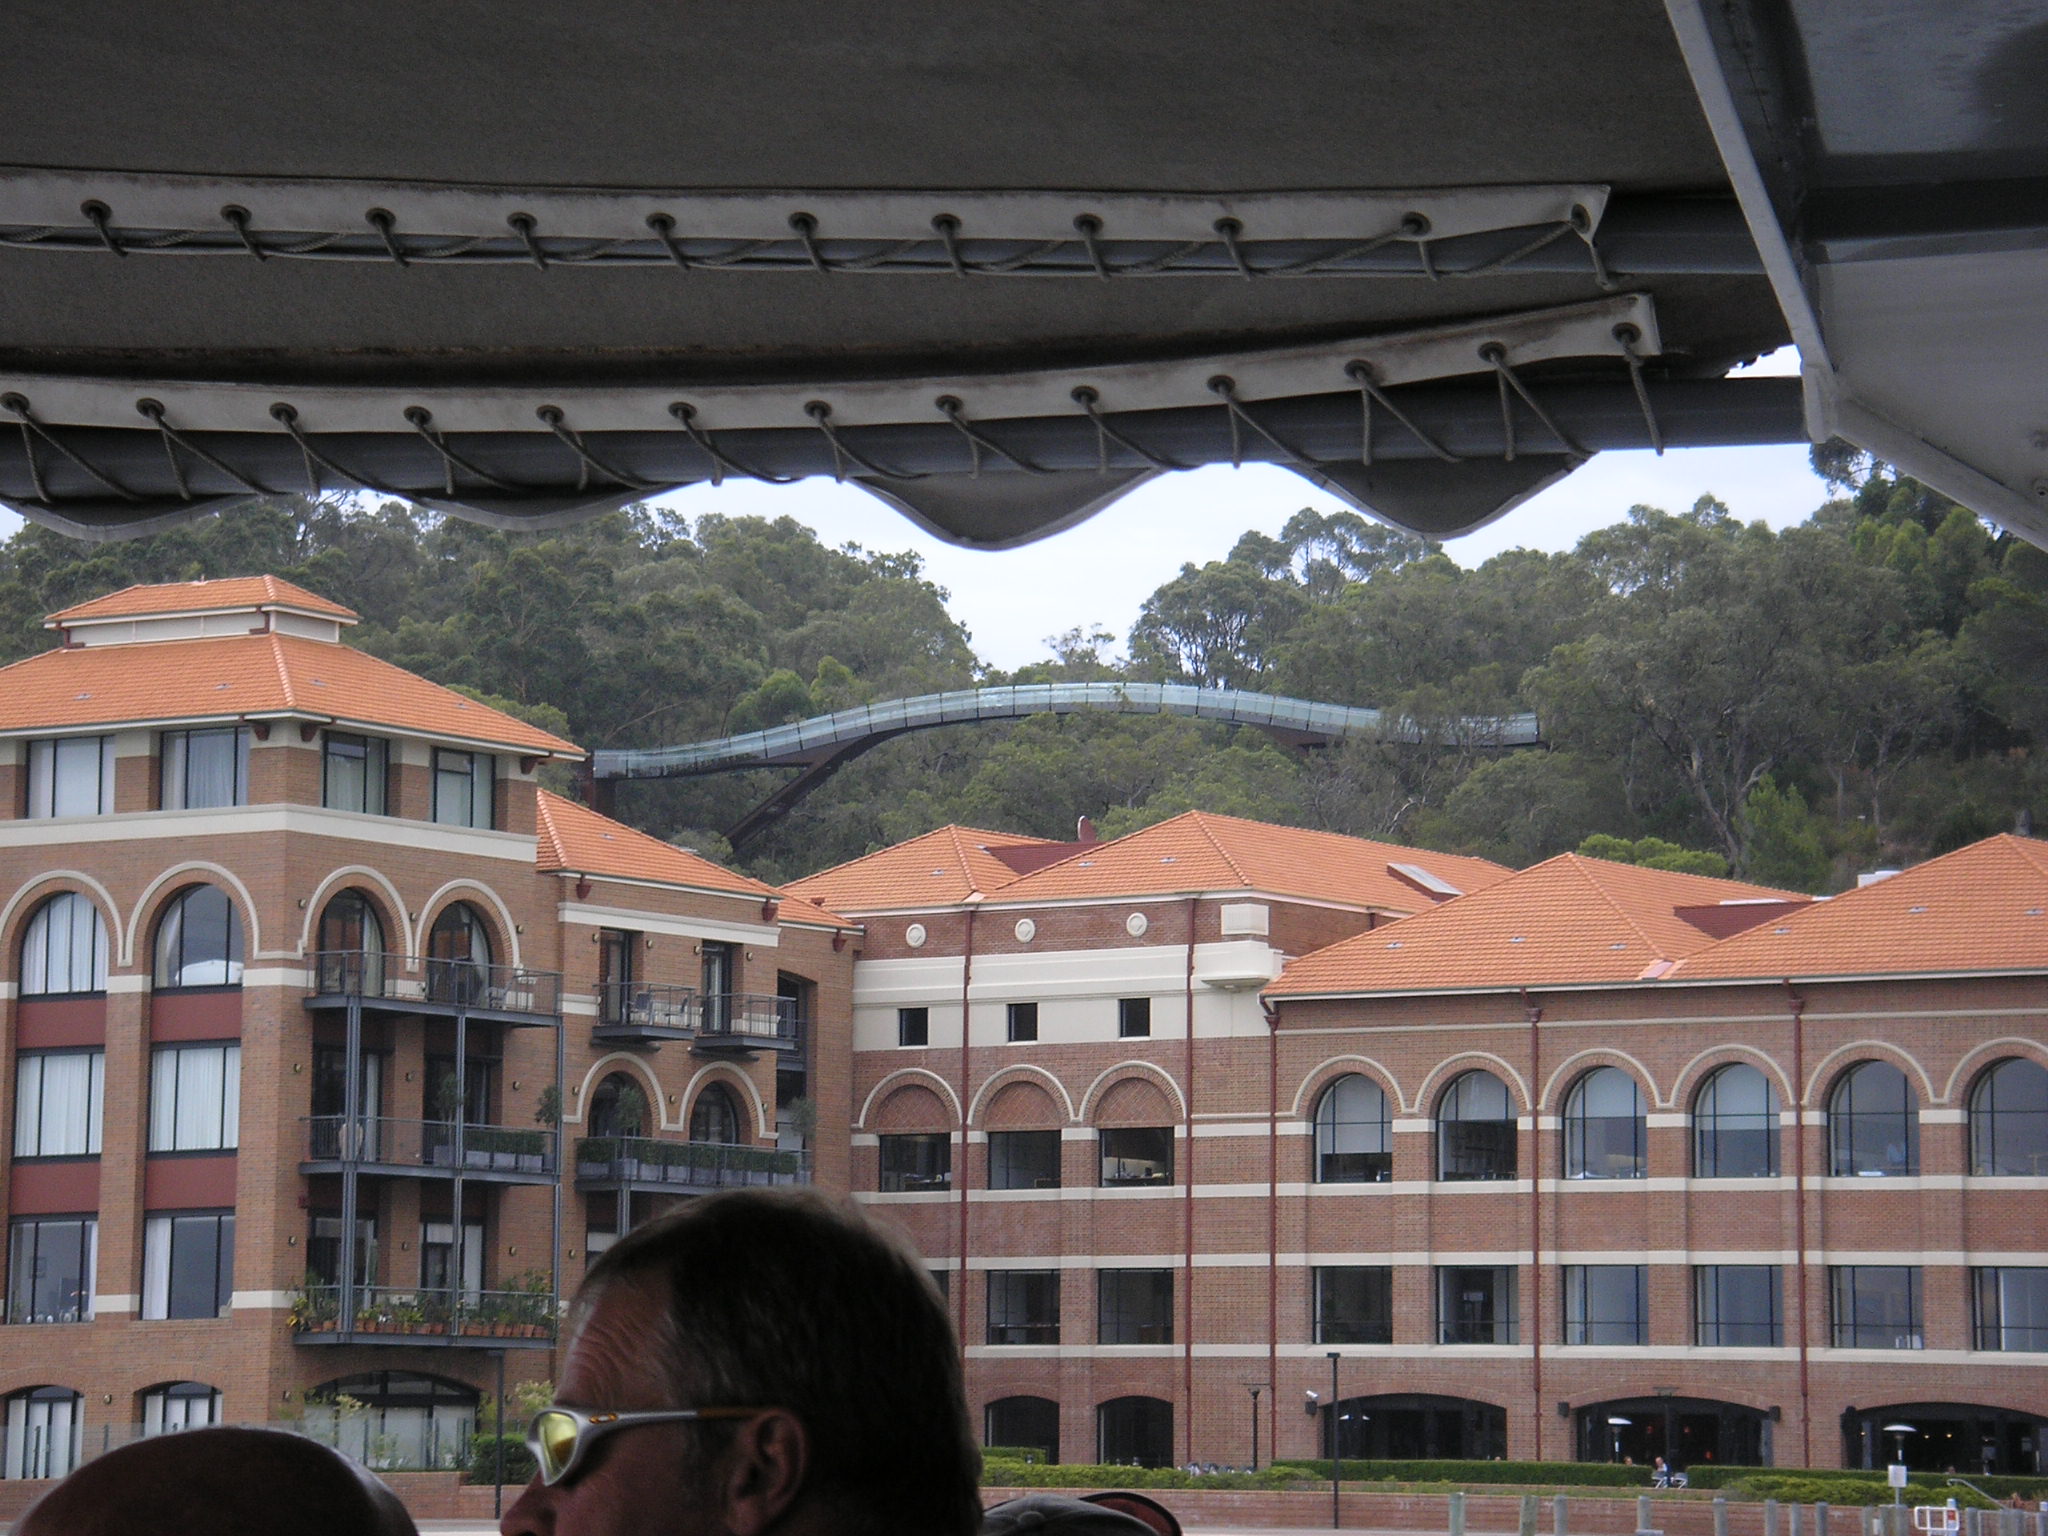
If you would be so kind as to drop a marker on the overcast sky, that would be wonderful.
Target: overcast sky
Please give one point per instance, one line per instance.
(1100, 572)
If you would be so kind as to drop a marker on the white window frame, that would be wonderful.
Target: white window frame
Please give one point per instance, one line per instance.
(176, 1127)
(34, 1135)
(53, 781)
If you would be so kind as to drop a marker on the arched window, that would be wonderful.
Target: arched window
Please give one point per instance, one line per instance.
(458, 955)
(43, 1433)
(350, 946)
(1134, 1431)
(2009, 1119)
(1351, 1133)
(1735, 1125)
(1024, 1422)
(714, 1118)
(395, 1418)
(1603, 1127)
(179, 1405)
(65, 949)
(619, 1107)
(1873, 1123)
(199, 940)
(1475, 1129)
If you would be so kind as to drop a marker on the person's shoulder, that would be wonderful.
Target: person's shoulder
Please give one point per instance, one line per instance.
(1101, 1514)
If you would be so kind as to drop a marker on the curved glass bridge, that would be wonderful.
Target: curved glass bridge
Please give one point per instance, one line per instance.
(823, 743)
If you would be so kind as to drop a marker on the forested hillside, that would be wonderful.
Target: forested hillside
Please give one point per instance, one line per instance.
(1863, 689)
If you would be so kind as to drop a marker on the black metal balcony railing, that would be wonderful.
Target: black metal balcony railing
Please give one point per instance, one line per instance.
(425, 1314)
(633, 1005)
(686, 1164)
(739, 1020)
(427, 979)
(750, 1016)
(429, 1144)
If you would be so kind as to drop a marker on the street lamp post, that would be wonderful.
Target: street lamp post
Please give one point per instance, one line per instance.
(1616, 1424)
(1336, 1449)
(1898, 1432)
(1255, 1427)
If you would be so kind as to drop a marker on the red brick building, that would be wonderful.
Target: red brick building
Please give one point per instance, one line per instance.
(1589, 1161)
(336, 1042)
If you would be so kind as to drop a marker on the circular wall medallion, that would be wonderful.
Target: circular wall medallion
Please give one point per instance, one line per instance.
(1136, 924)
(914, 935)
(1027, 930)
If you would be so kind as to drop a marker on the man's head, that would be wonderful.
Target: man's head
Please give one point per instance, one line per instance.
(778, 1301)
(228, 1482)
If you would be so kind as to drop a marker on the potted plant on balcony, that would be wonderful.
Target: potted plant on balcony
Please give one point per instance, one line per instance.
(313, 1305)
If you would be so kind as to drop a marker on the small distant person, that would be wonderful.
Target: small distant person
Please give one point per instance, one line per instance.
(224, 1482)
(758, 1363)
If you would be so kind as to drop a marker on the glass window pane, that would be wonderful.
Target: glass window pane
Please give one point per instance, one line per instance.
(1023, 1159)
(1352, 1133)
(1737, 1305)
(2012, 1308)
(1354, 1304)
(2009, 1121)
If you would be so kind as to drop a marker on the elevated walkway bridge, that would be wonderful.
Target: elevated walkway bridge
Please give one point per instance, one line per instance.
(822, 744)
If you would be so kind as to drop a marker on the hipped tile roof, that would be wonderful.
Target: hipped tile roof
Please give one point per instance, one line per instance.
(200, 597)
(576, 840)
(1980, 908)
(239, 675)
(940, 869)
(1200, 851)
(1568, 921)
(1192, 852)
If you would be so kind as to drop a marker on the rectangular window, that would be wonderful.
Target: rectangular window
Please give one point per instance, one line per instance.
(1354, 1304)
(1023, 1159)
(943, 1279)
(1476, 1306)
(1137, 1154)
(355, 772)
(1133, 1018)
(71, 776)
(1736, 1305)
(1023, 1306)
(195, 1098)
(920, 1161)
(439, 1265)
(188, 1263)
(913, 1026)
(2012, 1308)
(1606, 1304)
(1023, 1021)
(1876, 1306)
(205, 768)
(50, 1264)
(1134, 1306)
(57, 1100)
(323, 1250)
(464, 788)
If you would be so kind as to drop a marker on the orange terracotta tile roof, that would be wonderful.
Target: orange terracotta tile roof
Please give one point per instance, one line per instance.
(940, 869)
(1981, 908)
(1198, 851)
(1567, 921)
(576, 840)
(200, 597)
(238, 675)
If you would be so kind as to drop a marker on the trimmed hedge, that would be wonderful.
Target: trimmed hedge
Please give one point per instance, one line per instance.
(1003, 1473)
(483, 1458)
(1031, 1453)
(1584, 1474)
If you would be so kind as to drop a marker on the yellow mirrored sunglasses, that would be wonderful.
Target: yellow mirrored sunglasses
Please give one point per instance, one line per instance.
(560, 1438)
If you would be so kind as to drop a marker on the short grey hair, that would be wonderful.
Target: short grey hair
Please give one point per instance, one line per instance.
(788, 1299)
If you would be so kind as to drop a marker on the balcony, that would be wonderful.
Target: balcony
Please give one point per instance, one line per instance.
(499, 1154)
(742, 1023)
(749, 1021)
(642, 1163)
(421, 984)
(415, 1316)
(636, 1013)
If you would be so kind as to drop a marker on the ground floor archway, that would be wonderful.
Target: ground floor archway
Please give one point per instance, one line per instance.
(1685, 1431)
(1963, 1438)
(1416, 1426)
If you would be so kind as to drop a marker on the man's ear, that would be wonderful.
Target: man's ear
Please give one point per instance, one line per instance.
(762, 1471)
